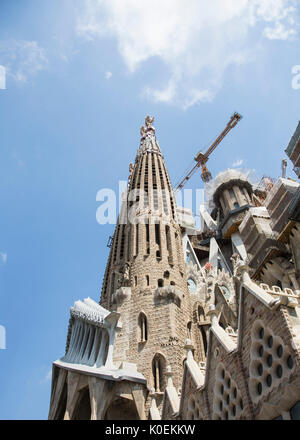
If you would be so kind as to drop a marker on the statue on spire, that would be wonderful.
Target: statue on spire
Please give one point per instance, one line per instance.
(148, 126)
(149, 121)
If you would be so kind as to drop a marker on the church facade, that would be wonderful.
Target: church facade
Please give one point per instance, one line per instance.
(191, 324)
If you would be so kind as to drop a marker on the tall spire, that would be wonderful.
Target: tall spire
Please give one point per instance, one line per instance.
(145, 279)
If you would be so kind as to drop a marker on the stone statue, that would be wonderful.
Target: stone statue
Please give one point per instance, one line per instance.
(123, 277)
(149, 121)
(126, 276)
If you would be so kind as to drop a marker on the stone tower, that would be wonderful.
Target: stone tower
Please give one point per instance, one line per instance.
(145, 279)
(192, 324)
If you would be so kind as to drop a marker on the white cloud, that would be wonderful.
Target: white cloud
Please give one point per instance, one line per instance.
(22, 59)
(195, 43)
(279, 32)
(108, 74)
(238, 163)
(3, 256)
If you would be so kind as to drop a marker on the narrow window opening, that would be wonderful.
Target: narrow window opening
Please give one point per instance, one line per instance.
(160, 283)
(143, 328)
(158, 371)
(157, 240)
(137, 239)
(147, 239)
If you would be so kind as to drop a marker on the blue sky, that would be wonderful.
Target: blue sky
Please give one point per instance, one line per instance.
(80, 78)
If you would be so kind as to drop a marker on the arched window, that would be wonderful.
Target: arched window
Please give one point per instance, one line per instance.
(160, 283)
(143, 327)
(201, 314)
(192, 285)
(158, 371)
(189, 329)
(226, 292)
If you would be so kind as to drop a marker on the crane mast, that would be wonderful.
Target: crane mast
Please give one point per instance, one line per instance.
(202, 158)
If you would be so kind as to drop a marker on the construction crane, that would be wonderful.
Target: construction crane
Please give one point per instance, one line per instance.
(202, 158)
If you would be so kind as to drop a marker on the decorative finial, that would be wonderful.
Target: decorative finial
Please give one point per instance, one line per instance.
(149, 121)
(148, 126)
(189, 349)
(213, 314)
(240, 267)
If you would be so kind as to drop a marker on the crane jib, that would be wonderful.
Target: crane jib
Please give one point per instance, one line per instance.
(202, 158)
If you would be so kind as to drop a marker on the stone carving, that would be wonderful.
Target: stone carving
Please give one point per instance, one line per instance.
(149, 121)
(121, 295)
(169, 292)
(131, 169)
(236, 263)
(123, 276)
(89, 311)
(126, 274)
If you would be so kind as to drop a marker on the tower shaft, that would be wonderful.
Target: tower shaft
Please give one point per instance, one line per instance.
(145, 277)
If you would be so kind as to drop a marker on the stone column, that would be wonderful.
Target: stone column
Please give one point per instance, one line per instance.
(84, 342)
(89, 344)
(109, 360)
(100, 358)
(77, 341)
(92, 357)
(139, 400)
(73, 339)
(100, 398)
(228, 199)
(238, 195)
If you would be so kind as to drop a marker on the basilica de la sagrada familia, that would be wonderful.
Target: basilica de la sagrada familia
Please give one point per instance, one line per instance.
(191, 324)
